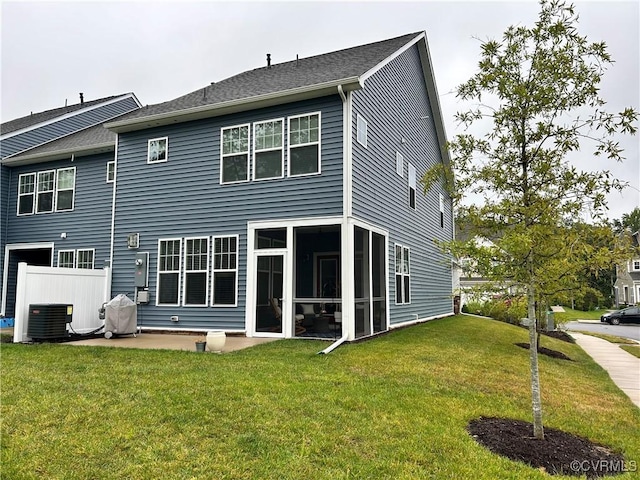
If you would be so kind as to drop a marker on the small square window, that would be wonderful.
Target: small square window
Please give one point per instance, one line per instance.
(362, 131)
(158, 150)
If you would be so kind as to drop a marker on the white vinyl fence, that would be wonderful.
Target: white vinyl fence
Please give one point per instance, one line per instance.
(85, 289)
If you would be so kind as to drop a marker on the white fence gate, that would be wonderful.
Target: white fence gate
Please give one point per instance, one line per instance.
(85, 289)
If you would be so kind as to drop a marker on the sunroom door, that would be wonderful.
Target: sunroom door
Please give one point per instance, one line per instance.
(269, 291)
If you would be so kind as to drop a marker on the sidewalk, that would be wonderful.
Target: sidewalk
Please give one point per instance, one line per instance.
(623, 368)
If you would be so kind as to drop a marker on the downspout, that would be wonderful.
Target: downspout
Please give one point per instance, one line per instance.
(346, 154)
(113, 209)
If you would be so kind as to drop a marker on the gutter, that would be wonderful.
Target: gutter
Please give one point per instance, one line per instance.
(231, 106)
(58, 154)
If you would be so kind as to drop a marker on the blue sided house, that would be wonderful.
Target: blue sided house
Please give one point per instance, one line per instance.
(285, 201)
(56, 187)
(281, 202)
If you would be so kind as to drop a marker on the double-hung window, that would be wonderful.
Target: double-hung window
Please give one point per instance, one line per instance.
(268, 156)
(45, 187)
(412, 186)
(158, 150)
(169, 255)
(636, 265)
(235, 154)
(65, 187)
(441, 211)
(26, 193)
(225, 271)
(84, 258)
(304, 144)
(196, 271)
(66, 259)
(403, 275)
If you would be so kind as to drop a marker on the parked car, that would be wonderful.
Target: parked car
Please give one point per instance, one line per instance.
(626, 315)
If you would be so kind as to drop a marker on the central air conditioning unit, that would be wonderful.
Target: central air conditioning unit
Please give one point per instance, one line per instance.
(48, 321)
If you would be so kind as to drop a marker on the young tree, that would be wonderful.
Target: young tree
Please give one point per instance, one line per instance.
(537, 99)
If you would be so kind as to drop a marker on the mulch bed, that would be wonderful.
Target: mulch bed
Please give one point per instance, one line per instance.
(547, 351)
(559, 453)
(564, 336)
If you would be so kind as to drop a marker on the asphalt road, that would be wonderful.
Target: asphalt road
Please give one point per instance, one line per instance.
(627, 330)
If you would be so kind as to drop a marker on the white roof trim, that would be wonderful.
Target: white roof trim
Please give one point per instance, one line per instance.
(59, 154)
(400, 51)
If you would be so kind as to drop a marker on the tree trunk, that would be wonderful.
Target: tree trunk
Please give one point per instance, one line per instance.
(538, 430)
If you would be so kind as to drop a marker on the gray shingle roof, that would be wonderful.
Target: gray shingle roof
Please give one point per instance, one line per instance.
(35, 118)
(304, 72)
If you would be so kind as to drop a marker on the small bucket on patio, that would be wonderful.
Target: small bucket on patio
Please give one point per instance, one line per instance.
(200, 346)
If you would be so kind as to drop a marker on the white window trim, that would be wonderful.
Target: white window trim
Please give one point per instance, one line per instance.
(223, 155)
(361, 130)
(110, 164)
(93, 257)
(57, 190)
(319, 143)
(214, 270)
(633, 266)
(399, 164)
(441, 199)
(185, 272)
(67, 251)
(179, 272)
(402, 274)
(256, 151)
(33, 194)
(412, 186)
(166, 152)
(53, 192)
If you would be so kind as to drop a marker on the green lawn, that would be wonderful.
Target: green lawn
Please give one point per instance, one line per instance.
(570, 315)
(391, 408)
(632, 349)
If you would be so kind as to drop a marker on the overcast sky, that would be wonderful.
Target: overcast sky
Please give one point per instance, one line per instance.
(51, 51)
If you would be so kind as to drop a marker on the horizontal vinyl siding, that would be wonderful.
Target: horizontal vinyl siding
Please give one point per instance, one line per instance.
(64, 127)
(88, 226)
(5, 174)
(183, 198)
(393, 102)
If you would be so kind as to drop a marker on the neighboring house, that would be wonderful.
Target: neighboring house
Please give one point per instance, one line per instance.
(469, 285)
(282, 200)
(627, 285)
(56, 194)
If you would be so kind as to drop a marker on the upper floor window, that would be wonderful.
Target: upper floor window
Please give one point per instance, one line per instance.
(65, 187)
(268, 149)
(412, 186)
(399, 164)
(45, 187)
(403, 275)
(26, 193)
(441, 211)
(361, 128)
(158, 150)
(111, 171)
(636, 264)
(235, 154)
(304, 144)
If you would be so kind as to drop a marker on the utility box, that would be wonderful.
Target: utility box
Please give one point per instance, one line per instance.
(142, 270)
